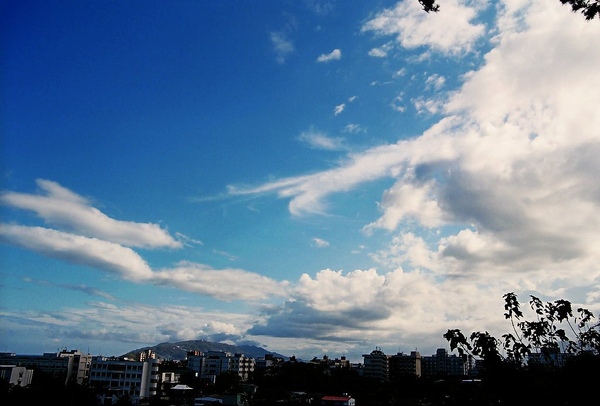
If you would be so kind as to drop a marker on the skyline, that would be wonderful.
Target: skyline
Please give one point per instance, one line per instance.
(311, 177)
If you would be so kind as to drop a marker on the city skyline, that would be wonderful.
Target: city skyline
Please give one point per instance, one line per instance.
(317, 177)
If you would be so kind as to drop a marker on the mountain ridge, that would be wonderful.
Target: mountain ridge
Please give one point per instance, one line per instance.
(178, 351)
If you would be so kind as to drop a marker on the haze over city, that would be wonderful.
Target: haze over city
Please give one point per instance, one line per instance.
(311, 177)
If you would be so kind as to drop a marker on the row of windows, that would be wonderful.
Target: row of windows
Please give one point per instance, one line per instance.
(117, 367)
(112, 375)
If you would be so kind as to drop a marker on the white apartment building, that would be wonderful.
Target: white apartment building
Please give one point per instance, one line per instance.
(117, 378)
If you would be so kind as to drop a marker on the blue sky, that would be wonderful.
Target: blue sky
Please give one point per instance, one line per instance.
(314, 177)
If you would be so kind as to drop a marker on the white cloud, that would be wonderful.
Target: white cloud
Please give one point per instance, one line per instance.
(334, 55)
(398, 105)
(319, 140)
(449, 32)
(382, 51)
(353, 128)
(506, 183)
(400, 73)
(320, 243)
(222, 284)
(101, 325)
(59, 206)
(282, 46)
(428, 105)
(350, 311)
(339, 108)
(435, 81)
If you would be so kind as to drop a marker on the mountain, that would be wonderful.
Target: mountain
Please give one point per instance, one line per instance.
(178, 351)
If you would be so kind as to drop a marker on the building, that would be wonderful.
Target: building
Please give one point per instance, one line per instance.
(344, 400)
(242, 365)
(116, 378)
(549, 358)
(442, 364)
(16, 375)
(70, 366)
(211, 364)
(375, 365)
(402, 365)
(268, 360)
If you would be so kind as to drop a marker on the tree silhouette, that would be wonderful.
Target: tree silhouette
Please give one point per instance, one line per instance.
(589, 8)
(429, 5)
(559, 348)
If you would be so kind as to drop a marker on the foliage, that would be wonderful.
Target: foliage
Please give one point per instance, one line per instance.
(589, 8)
(429, 5)
(559, 348)
(544, 335)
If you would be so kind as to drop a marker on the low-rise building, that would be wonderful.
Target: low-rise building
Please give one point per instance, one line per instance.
(344, 400)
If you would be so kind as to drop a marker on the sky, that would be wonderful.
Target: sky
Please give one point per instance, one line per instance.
(313, 177)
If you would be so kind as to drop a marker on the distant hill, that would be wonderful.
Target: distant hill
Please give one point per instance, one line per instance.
(178, 351)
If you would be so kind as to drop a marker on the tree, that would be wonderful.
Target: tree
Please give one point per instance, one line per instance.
(589, 8)
(559, 348)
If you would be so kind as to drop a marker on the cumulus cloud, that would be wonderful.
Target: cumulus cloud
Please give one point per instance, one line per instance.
(504, 186)
(346, 311)
(334, 55)
(448, 32)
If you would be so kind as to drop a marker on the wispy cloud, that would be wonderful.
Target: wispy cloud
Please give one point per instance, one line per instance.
(435, 81)
(319, 140)
(59, 206)
(334, 55)
(88, 290)
(353, 128)
(282, 46)
(319, 242)
(64, 207)
(382, 51)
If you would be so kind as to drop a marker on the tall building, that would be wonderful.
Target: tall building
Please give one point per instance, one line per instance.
(401, 365)
(375, 365)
